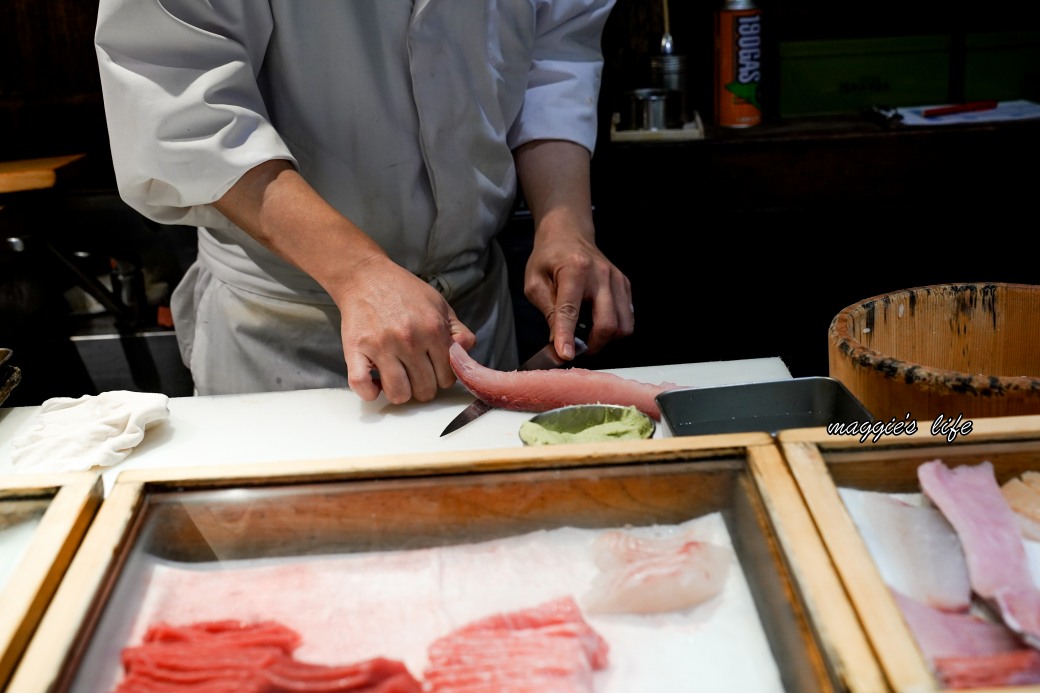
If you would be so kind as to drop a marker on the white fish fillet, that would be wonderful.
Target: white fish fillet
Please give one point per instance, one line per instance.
(914, 547)
(998, 568)
(642, 575)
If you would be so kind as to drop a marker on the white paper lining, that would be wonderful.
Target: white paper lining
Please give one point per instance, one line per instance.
(350, 607)
(14, 542)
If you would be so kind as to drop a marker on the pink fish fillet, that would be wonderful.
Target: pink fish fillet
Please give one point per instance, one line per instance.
(998, 568)
(1017, 668)
(537, 391)
(942, 633)
(548, 648)
(642, 575)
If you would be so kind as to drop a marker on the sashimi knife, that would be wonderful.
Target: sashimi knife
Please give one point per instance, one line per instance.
(545, 359)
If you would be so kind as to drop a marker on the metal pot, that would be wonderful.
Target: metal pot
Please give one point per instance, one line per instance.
(651, 109)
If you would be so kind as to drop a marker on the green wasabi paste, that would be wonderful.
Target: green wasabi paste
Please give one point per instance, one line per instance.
(632, 425)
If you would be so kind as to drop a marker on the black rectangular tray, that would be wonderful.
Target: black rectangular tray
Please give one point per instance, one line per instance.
(767, 406)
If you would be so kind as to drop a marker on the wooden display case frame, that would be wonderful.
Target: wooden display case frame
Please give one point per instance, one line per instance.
(816, 638)
(68, 502)
(821, 463)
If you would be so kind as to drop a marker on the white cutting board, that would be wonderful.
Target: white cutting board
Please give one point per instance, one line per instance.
(330, 423)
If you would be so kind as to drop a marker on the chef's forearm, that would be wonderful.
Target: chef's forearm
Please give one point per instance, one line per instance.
(275, 205)
(555, 179)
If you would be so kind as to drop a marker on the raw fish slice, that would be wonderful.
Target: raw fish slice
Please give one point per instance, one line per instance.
(1018, 668)
(998, 568)
(1031, 479)
(217, 656)
(542, 390)
(915, 548)
(615, 548)
(1024, 499)
(1030, 529)
(954, 634)
(641, 575)
(547, 648)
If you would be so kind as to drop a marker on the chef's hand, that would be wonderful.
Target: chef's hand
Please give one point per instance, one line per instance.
(564, 271)
(566, 268)
(400, 326)
(392, 321)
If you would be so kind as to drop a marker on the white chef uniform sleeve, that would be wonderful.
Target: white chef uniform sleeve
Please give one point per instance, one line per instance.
(185, 115)
(564, 81)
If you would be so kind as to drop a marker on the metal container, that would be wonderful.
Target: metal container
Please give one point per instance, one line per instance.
(651, 109)
(669, 72)
(769, 406)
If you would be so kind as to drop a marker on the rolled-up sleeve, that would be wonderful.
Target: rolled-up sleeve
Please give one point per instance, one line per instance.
(185, 113)
(564, 81)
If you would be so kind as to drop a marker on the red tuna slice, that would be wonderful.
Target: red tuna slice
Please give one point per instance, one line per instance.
(544, 649)
(998, 567)
(229, 632)
(542, 390)
(231, 657)
(378, 674)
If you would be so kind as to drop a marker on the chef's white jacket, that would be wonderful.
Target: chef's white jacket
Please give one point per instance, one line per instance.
(402, 114)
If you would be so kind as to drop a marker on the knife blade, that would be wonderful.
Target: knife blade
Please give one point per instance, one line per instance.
(544, 359)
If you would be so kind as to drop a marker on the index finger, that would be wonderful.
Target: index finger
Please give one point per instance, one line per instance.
(566, 310)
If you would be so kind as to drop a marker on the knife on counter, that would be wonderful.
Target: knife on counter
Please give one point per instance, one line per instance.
(544, 359)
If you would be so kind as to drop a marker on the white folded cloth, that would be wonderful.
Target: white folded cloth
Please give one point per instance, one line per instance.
(92, 431)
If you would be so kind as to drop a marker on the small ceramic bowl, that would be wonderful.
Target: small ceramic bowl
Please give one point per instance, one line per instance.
(587, 423)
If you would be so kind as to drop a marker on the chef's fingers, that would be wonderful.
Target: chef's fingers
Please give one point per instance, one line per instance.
(422, 378)
(365, 378)
(416, 373)
(396, 379)
(563, 315)
(613, 315)
(621, 296)
(441, 362)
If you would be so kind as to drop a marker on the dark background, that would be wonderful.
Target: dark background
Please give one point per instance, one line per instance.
(742, 245)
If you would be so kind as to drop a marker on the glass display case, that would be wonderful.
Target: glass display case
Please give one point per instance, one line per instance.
(42, 520)
(932, 535)
(686, 559)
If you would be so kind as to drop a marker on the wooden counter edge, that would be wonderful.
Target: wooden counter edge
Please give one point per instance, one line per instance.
(840, 633)
(458, 461)
(55, 638)
(55, 540)
(36, 174)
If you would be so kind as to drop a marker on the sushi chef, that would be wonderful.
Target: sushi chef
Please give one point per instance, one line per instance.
(348, 164)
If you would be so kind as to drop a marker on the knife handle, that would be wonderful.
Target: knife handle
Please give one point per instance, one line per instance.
(583, 328)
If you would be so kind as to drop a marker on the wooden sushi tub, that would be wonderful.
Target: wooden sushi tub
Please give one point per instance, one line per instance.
(181, 544)
(42, 520)
(828, 466)
(945, 349)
